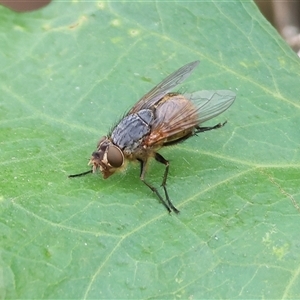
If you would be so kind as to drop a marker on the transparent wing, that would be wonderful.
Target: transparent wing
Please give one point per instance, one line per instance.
(181, 113)
(209, 104)
(164, 87)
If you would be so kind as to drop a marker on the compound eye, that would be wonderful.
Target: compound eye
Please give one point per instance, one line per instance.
(115, 156)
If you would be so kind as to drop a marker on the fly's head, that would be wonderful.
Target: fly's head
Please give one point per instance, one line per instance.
(108, 157)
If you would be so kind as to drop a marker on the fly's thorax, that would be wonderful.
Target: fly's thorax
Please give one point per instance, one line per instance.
(108, 157)
(146, 115)
(131, 130)
(140, 153)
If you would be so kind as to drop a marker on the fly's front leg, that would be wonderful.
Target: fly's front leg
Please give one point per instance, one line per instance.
(162, 160)
(81, 174)
(152, 188)
(202, 129)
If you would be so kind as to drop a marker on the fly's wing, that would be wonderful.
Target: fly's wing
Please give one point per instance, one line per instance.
(178, 115)
(211, 103)
(164, 87)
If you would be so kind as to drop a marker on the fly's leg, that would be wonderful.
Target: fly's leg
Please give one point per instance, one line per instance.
(152, 188)
(81, 174)
(202, 129)
(162, 160)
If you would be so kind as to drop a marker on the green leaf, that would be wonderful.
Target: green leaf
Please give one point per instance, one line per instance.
(68, 73)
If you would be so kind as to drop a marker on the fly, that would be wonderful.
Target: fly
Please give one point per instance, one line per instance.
(160, 118)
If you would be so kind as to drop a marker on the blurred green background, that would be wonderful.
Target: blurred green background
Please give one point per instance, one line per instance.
(68, 73)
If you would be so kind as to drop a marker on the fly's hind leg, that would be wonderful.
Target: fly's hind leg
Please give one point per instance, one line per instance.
(152, 188)
(162, 160)
(202, 129)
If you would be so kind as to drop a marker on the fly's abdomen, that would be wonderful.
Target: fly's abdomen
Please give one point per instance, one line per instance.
(131, 130)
